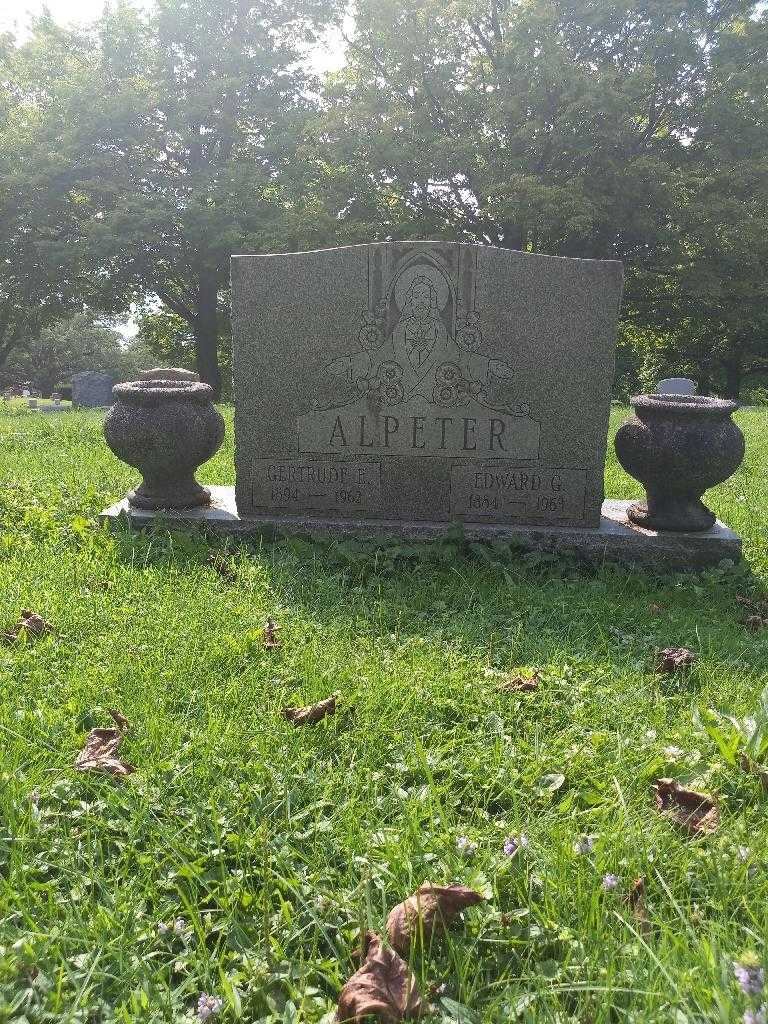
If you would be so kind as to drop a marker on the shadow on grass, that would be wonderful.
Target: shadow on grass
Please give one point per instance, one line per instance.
(458, 588)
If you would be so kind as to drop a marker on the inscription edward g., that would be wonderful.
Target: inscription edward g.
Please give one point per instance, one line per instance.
(509, 492)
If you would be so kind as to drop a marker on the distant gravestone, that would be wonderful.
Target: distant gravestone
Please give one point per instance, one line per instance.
(92, 389)
(31, 403)
(417, 382)
(676, 386)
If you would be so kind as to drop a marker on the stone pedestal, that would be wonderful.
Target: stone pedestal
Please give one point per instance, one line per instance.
(614, 540)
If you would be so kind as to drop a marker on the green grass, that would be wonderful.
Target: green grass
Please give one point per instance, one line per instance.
(277, 845)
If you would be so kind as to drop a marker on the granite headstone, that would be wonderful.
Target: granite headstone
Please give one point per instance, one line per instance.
(423, 382)
(92, 389)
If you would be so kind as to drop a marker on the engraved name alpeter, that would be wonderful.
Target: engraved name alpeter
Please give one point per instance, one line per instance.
(418, 382)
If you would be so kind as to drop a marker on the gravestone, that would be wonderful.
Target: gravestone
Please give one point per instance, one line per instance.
(400, 387)
(417, 382)
(92, 389)
(676, 386)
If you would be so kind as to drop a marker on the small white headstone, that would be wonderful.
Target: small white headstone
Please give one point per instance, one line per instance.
(25, 393)
(32, 403)
(676, 386)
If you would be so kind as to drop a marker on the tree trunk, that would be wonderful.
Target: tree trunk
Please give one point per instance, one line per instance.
(206, 332)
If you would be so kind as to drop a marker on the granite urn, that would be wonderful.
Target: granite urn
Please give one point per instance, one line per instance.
(166, 429)
(678, 446)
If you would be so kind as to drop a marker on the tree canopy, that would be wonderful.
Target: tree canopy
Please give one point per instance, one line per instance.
(140, 153)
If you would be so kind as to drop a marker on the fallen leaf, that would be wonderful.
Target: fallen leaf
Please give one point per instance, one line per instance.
(520, 683)
(696, 813)
(221, 564)
(674, 659)
(313, 712)
(636, 901)
(383, 988)
(30, 623)
(100, 750)
(429, 911)
(119, 719)
(753, 768)
(271, 638)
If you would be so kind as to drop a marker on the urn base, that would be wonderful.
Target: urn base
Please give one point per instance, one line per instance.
(676, 515)
(172, 495)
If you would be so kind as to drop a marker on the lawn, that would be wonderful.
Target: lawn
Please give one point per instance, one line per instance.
(245, 856)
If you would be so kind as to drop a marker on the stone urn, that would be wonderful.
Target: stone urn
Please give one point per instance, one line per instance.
(165, 429)
(677, 446)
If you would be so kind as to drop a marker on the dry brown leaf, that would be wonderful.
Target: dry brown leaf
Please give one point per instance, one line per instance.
(30, 623)
(100, 750)
(271, 634)
(220, 564)
(696, 813)
(313, 712)
(383, 988)
(674, 659)
(429, 911)
(520, 684)
(636, 901)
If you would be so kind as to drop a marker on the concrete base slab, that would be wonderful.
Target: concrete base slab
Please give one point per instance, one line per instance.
(615, 540)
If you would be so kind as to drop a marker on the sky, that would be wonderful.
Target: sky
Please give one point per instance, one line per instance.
(15, 15)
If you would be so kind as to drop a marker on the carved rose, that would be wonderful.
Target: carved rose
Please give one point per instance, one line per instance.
(444, 394)
(390, 371)
(448, 373)
(469, 335)
(391, 394)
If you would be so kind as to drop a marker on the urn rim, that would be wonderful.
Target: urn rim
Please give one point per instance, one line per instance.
(175, 373)
(150, 392)
(685, 405)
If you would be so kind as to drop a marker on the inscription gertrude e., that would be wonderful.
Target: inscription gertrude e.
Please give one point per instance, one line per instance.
(290, 484)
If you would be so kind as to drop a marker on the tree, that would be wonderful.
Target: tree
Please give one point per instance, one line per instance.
(63, 348)
(579, 129)
(710, 306)
(40, 258)
(181, 129)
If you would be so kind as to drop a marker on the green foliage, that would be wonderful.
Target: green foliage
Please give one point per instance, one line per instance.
(166, 338)
(622, 131)
(136, 156)
(64, 347)
(170, 139)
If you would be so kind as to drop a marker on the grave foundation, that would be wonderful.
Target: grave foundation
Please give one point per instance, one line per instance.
(614, 540)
